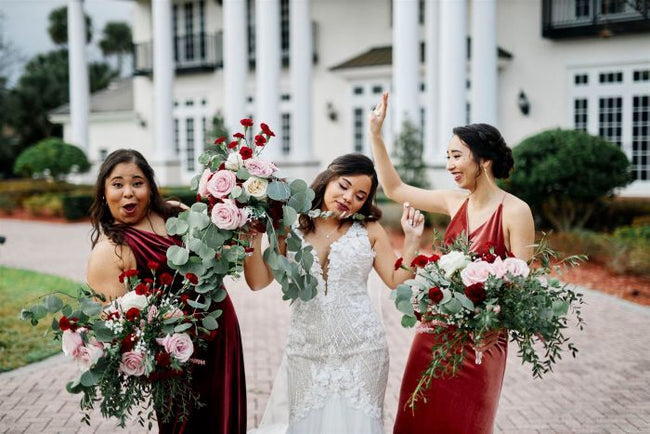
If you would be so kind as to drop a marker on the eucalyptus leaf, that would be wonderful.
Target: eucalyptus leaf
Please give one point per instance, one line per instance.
(307, 260)
(182, 327)
(236, 192)
(243, 173)
(196, 304)
(38, 310)
(90, 307)
(198, 220)
(560, 307)
(89, 378)
(219, 296)
(279, 191)
(298, 185)
(405, 306)
(53, 303)
(199, 207)
(466, 302)
(408, 321)
(194, 183)
(177, 255)
(215, 313)
(289, 215)
(209, 323)
(453, 306)
(176, 226)
(102, 333)
(293, 243)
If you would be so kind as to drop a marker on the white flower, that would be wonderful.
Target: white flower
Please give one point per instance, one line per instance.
(234, 161)
(256, 187)
(453, 261)
(131, 299)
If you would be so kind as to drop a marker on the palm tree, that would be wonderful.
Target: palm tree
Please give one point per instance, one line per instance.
(58, 28)
(117, 40)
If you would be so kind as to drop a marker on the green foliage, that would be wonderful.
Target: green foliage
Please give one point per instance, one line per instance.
(58, 26)
(408, 154)
(563, 173)
(17, 289)
(117, 40)
(51, 158)
(218, 127)
(633, 233)
(76, 206)
(49, 205)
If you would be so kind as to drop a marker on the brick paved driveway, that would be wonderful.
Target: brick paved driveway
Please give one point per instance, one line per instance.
(605, 390)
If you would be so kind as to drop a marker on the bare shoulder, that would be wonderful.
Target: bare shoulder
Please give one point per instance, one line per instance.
(375, 231)
(107, 252)
(515, 207)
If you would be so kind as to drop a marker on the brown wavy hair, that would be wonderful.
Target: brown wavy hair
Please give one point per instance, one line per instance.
(348, 164)
(100, 215)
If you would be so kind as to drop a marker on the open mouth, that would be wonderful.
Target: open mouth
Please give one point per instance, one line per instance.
(129, 208)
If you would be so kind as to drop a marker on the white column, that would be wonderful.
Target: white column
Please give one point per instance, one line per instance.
(484, 62)
(301, 49)
(235, 62)
(163, 80)
(267, 70)
(406, 64)
(452, 71)
(78, 68)
(432, 148)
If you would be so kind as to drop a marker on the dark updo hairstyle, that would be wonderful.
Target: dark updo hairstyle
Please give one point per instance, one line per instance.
(100, 215)
(486, 143)
(348, 164)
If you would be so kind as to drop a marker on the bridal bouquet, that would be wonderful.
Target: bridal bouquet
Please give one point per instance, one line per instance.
(137, 352)
(239, 192)
(465, 295)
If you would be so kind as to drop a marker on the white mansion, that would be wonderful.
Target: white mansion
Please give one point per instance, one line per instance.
(312, 70)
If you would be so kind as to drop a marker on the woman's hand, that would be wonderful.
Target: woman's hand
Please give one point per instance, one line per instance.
(412, 223)
(378, 115)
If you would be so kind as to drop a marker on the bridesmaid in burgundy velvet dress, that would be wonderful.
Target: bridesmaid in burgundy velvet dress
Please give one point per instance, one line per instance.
(476, 155)
(128, 218)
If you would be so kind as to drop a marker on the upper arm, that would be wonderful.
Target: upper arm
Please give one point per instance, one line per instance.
(105, 264)
(521, 230)
(384, 252)
(436, 201)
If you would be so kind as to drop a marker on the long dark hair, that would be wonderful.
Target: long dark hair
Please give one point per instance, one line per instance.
(100, 215)
(486, 142)
(348, 164)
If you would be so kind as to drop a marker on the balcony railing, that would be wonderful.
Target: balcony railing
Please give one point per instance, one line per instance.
(198, 52)
(575, 18)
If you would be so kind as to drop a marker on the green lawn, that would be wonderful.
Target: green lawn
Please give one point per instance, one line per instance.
(20, 342)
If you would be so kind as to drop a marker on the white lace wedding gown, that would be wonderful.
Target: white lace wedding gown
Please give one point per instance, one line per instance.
(336, 357)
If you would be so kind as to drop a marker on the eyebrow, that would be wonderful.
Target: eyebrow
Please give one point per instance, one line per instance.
(350, 183)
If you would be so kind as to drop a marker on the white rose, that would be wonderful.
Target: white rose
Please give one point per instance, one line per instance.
(256, 187)
(131, 299)
(453, 261)
(234, 161)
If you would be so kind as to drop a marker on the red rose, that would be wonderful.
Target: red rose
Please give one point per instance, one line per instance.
(246, 122)
(419, 261)
(148, 280)
(233, 145)
(246, 152)
(434, 258)
(193, 278)
(219, 140)
(127, 274)
(163, 359)
(132, 314)
(435, 294)
(198, 198)
(153, 265)
(184, 298)
(266, 130)
(260, 140)
(64, 323)
(398, 263)
(238, 135)
(142, 289)
(166, 279)
(128, 343)
(476, 293)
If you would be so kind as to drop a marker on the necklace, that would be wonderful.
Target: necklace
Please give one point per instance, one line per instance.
(329, 234)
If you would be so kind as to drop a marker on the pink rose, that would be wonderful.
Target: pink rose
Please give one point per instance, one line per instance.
(152, 313)
(475, 272)
(88, 355)
(203, 183)
(132, 363)
(71, 343)
(516, 267)
(221, 183)
(178, 345)
(259, 167)
(227, 215)
(499, 268)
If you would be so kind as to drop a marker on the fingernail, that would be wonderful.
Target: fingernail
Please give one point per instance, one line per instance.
(406, 205)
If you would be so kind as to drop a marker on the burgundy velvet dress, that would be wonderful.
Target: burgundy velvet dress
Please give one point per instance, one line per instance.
(220, 383)
(466, 403)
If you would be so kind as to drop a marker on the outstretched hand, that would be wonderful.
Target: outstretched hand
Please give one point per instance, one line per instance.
(412, 222)
(378, 115)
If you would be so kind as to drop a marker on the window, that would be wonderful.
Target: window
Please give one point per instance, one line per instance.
(358, 90)
(377, 89)
(250, 19)
(189, 131)
(358, 129)
(612, 6)
(202, 28)
(175, 30)
(641, 137)
(582, 8)
(610, 77)
(204, 128)
(284, 28)
(610, 119)
(581, 79)
(177, 136)
(286, 133)
(189, 31)
(643, 75)
(580, 114)
(103, 153)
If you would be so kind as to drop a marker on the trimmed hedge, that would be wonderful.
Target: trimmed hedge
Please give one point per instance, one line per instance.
(77, 206)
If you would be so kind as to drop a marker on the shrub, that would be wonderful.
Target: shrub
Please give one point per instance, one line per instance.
(53, 158)
(48, 205)
(76, 206)
(408, 154)
(563, 173)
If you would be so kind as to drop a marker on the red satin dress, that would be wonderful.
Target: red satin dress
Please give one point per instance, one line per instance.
(220, 383)
(466, 403)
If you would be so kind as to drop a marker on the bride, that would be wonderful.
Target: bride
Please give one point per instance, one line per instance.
(336, 355)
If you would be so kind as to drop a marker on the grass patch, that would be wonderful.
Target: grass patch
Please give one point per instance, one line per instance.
(20, 342)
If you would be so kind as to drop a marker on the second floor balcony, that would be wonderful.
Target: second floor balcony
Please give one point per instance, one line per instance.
(575, 18)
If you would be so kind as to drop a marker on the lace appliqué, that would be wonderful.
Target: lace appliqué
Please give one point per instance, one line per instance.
(336, 344)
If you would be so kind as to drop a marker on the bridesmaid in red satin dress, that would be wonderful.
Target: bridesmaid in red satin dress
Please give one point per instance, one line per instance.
(128, 218)
(476, 155)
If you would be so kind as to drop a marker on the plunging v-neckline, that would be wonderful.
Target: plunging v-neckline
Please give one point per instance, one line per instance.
(324, 271)
(472, 232)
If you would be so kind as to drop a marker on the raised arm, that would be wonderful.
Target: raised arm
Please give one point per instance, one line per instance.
(427, 200)
(105, 264)
(413, 225)
(257, 273)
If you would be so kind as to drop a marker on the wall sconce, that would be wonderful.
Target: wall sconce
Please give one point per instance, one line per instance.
(523, 103)
(331, 112)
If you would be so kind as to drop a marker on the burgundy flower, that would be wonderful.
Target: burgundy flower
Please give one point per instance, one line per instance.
(193, 278)
(148, 280)
(246, 152)
(476, 293)
(184, 298)
(166, 279)
(266, 130)
(398, 263)
(219, 140)
(434, 258)
(153, 265)
(419, 261)
(238, 135)
(128, 343)
(246, 122)
(64, 323)
(260, 140)
(132, 314)
(163, 359)
(127, 274)
(142, 289)
(435, 294)
(233, 145)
